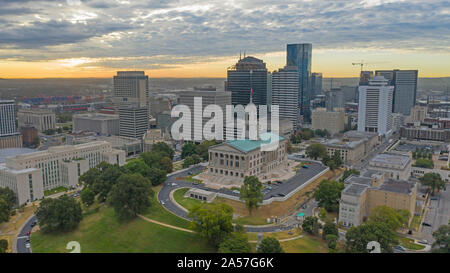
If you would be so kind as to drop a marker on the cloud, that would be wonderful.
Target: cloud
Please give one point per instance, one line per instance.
(116, 31)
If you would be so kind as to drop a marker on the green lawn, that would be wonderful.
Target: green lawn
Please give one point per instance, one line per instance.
(251, 220)
(55, 190)
(159, 213)
(102, 232)
(307, 244)
(409, 243)
(186, 202)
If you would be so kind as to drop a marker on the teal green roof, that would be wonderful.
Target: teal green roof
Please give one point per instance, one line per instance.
(247, 145)
(301, 214)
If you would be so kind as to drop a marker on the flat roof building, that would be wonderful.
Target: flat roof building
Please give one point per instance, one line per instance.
(41, 119)
(102, 124)
(396, 165)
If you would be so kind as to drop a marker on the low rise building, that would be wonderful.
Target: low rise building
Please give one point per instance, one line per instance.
(202, 195)
(364, 193)
(397, 166)
(29, 136)
(102, 124)
(131, 146)
(41, 119)
(11, 141)
(28, 175)
(425, 133)
(236, 159)
(332, 121)
(154, 136)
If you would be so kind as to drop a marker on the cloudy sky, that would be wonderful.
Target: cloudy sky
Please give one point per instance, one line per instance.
(191, 38)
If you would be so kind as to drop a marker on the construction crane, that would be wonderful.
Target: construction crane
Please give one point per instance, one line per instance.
(362, 63)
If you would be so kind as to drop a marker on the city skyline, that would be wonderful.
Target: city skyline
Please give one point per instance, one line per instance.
(184, 39)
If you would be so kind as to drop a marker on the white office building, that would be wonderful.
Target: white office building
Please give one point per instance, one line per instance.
(375, 106)
(29, 175)
(285, 86)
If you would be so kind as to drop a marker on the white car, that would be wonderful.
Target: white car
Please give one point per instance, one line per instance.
(162, 203)
(27, 245)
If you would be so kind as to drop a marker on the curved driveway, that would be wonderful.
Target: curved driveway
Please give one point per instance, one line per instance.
(172, 184)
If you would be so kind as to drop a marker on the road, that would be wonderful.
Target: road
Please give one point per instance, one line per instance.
(172, 183)
(377, 150)
(22, 236)
(437, 215)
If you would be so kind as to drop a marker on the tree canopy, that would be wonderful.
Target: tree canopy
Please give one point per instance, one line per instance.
(212, 221)
(328, 194)
(433, 181)
(358, 237)
(236, 242)
(311, 225)
(395, 219)
(164, 149)
(270, 245)
(316, 151)
(188, 150)
(251, 192)
(59, 215)
(130, 195)
(442, 239)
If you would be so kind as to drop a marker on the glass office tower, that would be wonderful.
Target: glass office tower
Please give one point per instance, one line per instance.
(300, 55)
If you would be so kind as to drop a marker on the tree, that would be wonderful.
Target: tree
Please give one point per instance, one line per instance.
(316, 151)
(358, 237)
(9, 196)
(164, 149)
(424, 163)
(329, 228)
(59, 215)
(130, 195)
(212, 221)
(270, 245)
(328, 194)
(137, 166)
(157, 176)
(235, 243)
(153, 159)
(5, 211)
(347, 173)
(187, 150)
(442, 239)
(337, 158)
(332, 240)
(87, 196)
(395, 219)
(433, 181)
(251, 192)
(202, 149)
(166, 164)
(3, 246)
(107, 179)
(188, 161)
(311, 224)
(90, 176)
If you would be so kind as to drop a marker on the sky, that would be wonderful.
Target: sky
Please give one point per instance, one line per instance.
(192, 38)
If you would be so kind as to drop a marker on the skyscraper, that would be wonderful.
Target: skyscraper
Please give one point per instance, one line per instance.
(131, 93)
(9, 136)
(248, 73)
(405, 88)
(316, 84)
(131, 87)
(300, 55)
(374, 110)
(285, 84)
(365, 77)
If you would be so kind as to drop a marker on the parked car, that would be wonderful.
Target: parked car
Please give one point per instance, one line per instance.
(305, 167)
(27, 245)
(28, 233)
(426, 224)
(162, 203)
(33, 223)
(400, 248)
(425, 242)
(189, 173)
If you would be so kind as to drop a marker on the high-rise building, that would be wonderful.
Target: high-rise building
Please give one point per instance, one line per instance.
(133, 121)
(405, 88)
(220, 98)
(131, 92)
(131, 87)
(365, 77)
(300, 55)
(374, 109)
(285, 84)
(334, 99)
(248, 73)
(316, 84)
(9, 136)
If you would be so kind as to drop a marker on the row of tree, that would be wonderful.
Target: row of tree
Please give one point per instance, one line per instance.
(194, 154)
(318, 151)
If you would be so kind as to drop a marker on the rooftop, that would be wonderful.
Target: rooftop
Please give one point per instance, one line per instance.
(390, 159)
(11, 152)
(344, 144)
(247, 145)
(355, 189)
(398, 186)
